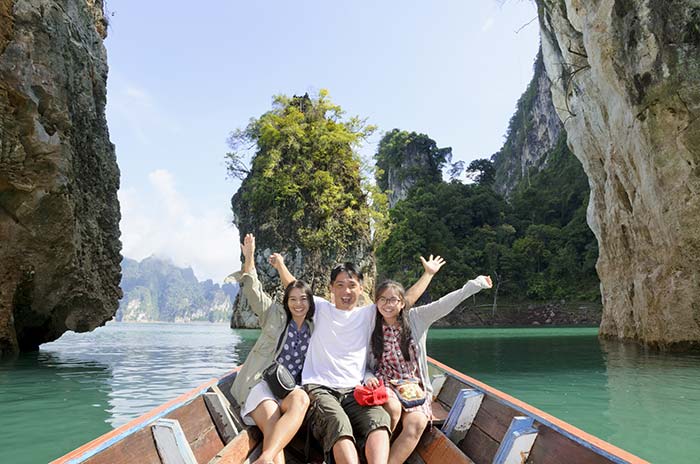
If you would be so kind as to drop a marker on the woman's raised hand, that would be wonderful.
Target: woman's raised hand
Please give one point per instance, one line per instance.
(484, 281)
(432, 265)
(248, 247)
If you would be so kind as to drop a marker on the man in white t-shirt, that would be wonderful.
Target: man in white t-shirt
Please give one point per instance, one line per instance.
(335, 364)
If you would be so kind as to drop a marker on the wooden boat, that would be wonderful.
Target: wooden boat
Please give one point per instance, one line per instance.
(473, 423)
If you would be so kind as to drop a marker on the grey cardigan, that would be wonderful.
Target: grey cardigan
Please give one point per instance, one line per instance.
(420, 318)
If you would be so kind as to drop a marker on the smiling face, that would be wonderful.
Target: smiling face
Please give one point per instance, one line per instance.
(298, 303)
(390, 303)
(346, 291)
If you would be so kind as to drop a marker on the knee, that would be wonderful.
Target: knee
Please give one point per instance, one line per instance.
(393, 408)
(414, 424)
(298, 399)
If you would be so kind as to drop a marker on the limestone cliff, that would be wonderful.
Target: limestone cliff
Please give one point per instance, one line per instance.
(406, 159)
(59, 214)
(533, 132)
(626, 83)
(303, 195)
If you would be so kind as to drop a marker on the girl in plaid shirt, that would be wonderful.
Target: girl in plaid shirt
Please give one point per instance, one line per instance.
(399, 353)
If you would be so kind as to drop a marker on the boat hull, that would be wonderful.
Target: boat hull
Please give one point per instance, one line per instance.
(473, 423)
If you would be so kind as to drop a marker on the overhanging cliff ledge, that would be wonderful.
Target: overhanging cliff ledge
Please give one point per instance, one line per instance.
(59, 213)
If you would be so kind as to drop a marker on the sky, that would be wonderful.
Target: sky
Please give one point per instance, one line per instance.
(183, 75)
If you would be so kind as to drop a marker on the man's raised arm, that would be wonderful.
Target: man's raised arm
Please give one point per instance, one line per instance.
(431, 267)
(277, 261)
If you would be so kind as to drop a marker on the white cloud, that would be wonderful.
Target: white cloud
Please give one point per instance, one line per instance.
(488, 24)
(158, 220)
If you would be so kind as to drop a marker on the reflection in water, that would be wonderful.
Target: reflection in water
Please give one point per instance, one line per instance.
(83, 385)
(153, 363)
(49, 403)
(654, 400)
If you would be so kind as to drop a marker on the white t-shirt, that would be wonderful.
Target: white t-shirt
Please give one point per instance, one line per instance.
(337, 351)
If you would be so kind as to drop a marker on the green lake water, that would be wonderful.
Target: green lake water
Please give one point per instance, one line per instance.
(83, 385)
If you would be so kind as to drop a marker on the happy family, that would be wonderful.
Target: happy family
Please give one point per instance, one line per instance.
(357, 370)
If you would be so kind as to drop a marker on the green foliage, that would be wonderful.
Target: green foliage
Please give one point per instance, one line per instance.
(539, 247)
(304, 182)
(453, 220)
(410, 156)
(482, 171)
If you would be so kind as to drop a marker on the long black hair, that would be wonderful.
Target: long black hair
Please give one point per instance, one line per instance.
(378, 333)
(304, 287)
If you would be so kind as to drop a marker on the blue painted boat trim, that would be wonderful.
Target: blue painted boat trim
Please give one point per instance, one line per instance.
(518, 426)
(457, 407)
(544, 421)
(135, 429)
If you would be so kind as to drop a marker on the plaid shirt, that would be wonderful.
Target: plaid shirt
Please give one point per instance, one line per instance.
(392, 365)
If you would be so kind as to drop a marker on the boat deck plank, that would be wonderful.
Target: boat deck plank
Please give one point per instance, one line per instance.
(239, 448)
(479, 446)
(199, 428)
(435, 447)
(140, 447)
(494, 417)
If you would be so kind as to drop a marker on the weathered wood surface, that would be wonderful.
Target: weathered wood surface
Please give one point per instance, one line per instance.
(171, 442)
(479, 446)
(494, 417)
(138, 447)
(199, 429)
(552, 447)
(218, 407)
(239, 448)
(434, 447)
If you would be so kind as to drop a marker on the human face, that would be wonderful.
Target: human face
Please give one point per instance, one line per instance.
(298, 304)
(390, 305)
(346, 291)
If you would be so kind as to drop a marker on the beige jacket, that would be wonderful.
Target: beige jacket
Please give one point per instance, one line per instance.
(273, 322)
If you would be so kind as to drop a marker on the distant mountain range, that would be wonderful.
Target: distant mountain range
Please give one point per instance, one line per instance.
(157, 290)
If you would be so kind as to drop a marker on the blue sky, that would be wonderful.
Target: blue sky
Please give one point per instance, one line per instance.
(183, 75)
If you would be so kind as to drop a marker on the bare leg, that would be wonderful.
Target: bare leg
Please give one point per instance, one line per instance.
(377, 446)
(344, 451)
(393, 408)
(413, 425)
(280, 427)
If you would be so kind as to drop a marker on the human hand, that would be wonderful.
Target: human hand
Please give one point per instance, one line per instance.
(248, 247)
(432, 265)
(276, 260)
(485, 280)
(372, 383)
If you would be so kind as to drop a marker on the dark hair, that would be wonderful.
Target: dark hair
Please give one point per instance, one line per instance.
(378, 332)
(303, 286)
(348, 268)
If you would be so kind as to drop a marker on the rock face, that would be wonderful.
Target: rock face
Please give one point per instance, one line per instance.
(59, 214)
(407, 159)
(626, 83)
(532, 134)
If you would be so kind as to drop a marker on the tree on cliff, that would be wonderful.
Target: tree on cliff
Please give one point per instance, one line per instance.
(411, 156)
(303, 190)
